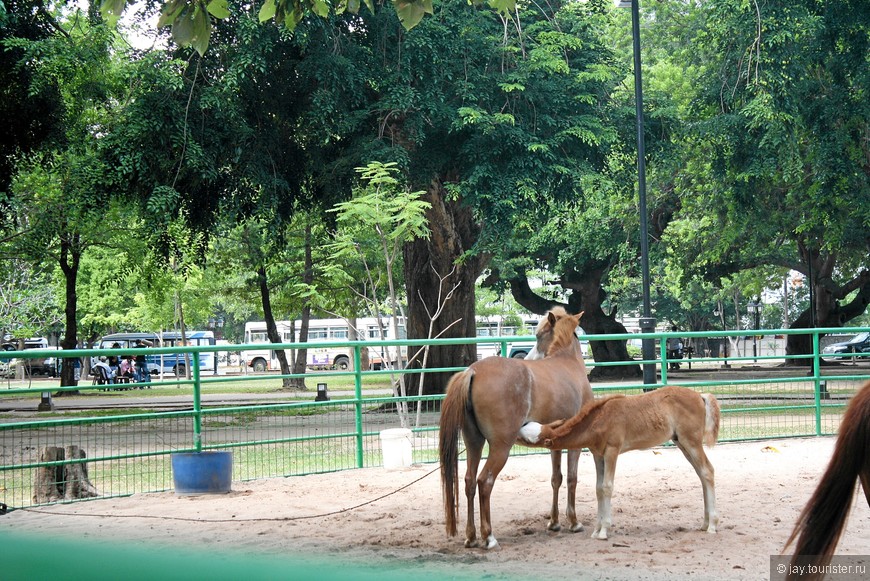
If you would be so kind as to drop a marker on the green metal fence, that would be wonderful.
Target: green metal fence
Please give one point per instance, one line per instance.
(127, 437)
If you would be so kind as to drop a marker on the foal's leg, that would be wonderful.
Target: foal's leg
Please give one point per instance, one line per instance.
(694, 453)
(498, 455)
(556, 483)
(605, 468)
(599, 490)
(573, 462)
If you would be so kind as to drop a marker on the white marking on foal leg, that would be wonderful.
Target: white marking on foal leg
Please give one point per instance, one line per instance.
(711, 517)
(604, 490)
(491, 543)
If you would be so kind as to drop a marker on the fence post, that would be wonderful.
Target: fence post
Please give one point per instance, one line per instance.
(197, 405)
(817, 381)
(357, 390)
(663, 360)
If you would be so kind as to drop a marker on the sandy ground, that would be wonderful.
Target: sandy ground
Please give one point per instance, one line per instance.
(392, 519)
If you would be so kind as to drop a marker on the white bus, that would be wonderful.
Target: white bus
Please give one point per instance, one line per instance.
(323, 331)
(499, 326)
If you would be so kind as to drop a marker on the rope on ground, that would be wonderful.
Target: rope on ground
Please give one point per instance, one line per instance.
(219, 520)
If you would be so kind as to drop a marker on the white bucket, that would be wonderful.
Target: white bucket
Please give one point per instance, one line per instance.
(396, 448)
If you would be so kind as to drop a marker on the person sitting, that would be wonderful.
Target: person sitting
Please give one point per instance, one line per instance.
(103, 372)
(125, 370)
(114, 362)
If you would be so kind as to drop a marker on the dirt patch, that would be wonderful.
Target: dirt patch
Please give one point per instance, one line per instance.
(393, 519)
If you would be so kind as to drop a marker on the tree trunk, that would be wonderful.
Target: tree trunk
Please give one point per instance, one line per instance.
(357, 334)
(75, 476)
(602, 324)
(47, 480)
(586, 296)
(271, 327)
(298, 383)
(180, 308)
(21, 365)
(299, 363)
(365, 360)
(825, 309)
(70, 255)
(63, 481)
(453, 232)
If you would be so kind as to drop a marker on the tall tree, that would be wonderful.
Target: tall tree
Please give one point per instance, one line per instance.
(61, 194)
(778, 165)
(30, 113)
(492, 117)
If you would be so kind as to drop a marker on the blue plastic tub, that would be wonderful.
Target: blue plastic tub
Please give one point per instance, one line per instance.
(202, 472)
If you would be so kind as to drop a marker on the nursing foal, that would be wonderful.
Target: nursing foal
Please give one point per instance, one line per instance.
(617, 424)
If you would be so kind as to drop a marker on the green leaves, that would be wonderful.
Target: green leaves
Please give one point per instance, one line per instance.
(411, 12)
(112, 9)
(218, 8)
(190, 21)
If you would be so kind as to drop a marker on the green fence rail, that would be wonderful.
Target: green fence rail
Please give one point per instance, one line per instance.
(127, 433)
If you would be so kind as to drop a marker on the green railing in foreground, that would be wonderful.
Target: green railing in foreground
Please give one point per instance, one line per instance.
(128, 449)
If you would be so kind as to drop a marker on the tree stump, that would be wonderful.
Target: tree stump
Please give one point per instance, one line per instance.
(64, 481)
(48, 479)
(77, 483)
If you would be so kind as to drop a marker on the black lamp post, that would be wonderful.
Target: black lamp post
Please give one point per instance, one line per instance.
(647, 321)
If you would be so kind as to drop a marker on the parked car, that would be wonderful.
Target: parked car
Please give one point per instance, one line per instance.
(38, 366)
(860, 343)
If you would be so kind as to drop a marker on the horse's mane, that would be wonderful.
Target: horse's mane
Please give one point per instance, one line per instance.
(557, 312)
(563, 333)
(584, 413)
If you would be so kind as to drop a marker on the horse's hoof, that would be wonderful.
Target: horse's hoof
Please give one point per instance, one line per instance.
(491, 543)
(600, 535)
(578, 528)
(470, 543)
(555, 527)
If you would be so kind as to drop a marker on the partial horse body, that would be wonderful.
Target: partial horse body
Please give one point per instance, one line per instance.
(821, 522)
(491, 401)
(617, 424)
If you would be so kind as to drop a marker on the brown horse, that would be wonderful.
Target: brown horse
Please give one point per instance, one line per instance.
(491, 400)
(617, 424)
(822, 520)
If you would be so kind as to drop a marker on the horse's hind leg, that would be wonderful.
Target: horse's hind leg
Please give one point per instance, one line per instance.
(556, 483)
(498, 455)
(473, 453)
(694, 453)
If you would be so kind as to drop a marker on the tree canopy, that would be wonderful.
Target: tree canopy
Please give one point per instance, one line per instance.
(211, 173)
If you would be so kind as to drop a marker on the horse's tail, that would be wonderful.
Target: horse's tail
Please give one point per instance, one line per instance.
(820, 523)
(452, 415)
(711, 419)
